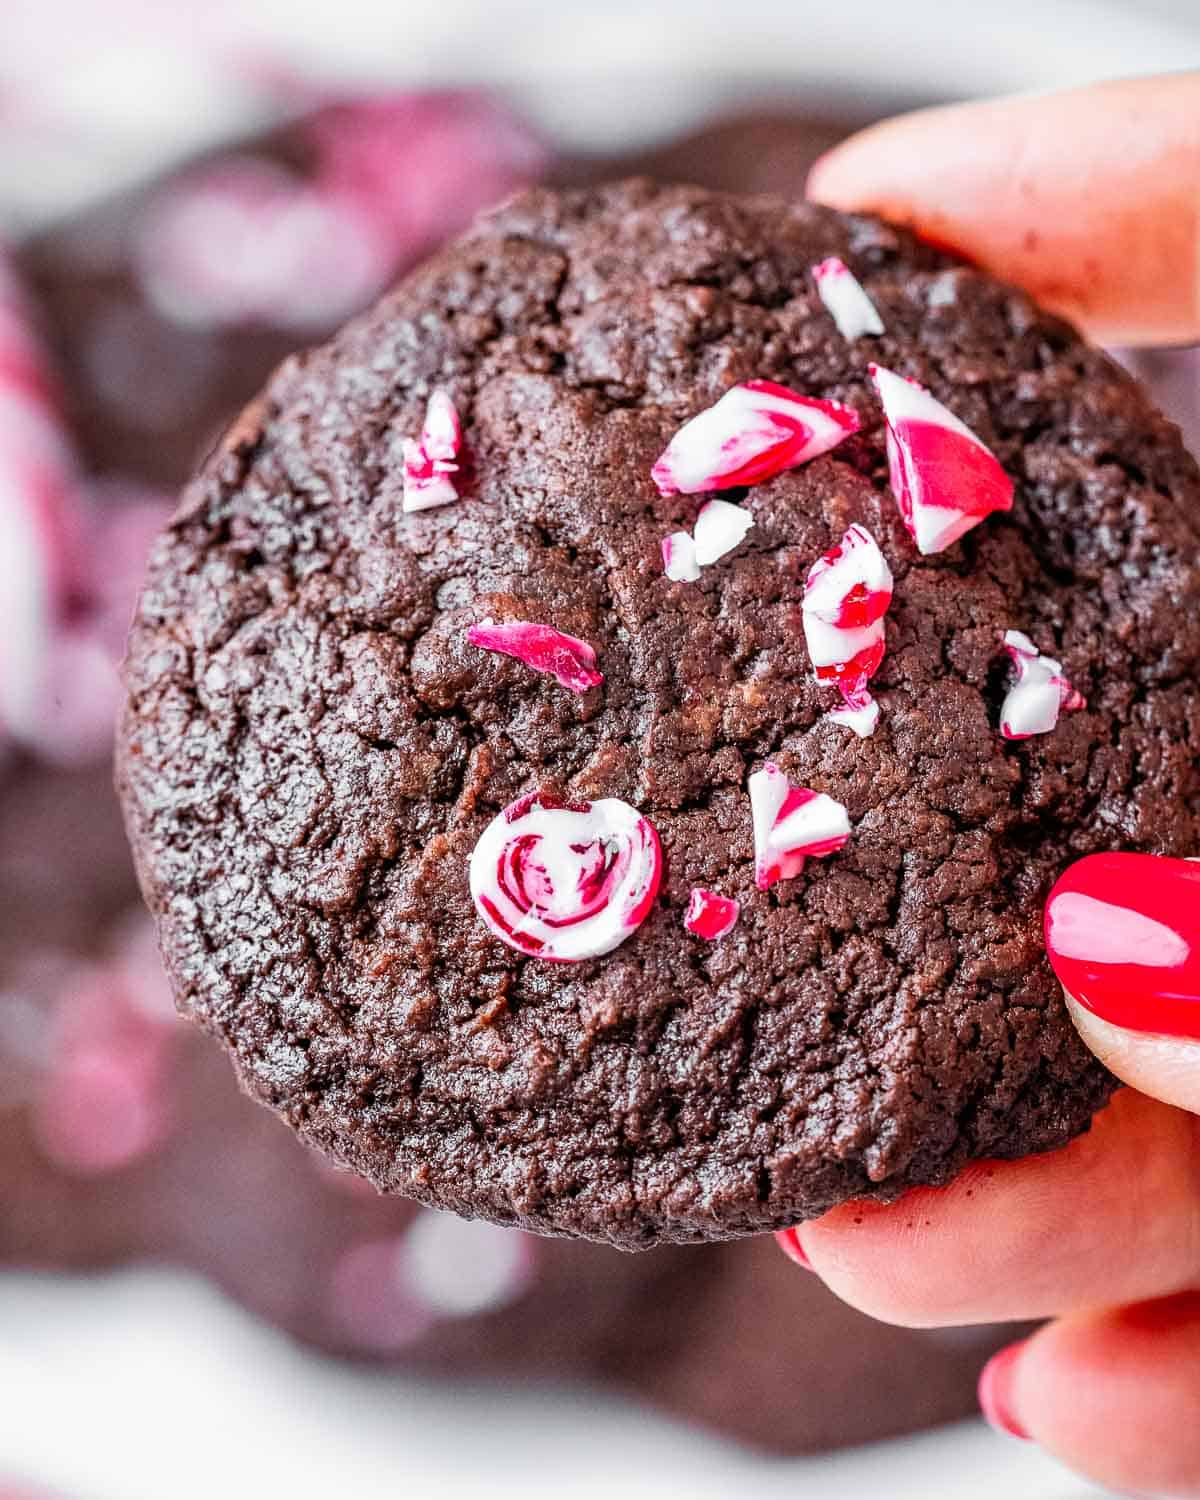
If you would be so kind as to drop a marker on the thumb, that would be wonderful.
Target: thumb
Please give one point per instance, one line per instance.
(1088, 199)
(1123, 935)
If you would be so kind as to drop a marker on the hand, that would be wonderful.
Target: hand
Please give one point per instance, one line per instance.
(1092, 201)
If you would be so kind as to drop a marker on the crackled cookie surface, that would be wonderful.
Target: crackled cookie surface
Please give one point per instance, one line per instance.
(655, 924)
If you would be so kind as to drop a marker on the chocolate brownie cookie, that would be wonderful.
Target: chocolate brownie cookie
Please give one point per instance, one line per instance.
(126, 1139)
(319, 763)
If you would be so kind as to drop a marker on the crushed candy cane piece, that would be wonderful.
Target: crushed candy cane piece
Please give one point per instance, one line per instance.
(791, 824)
(679, 558)
(846, 595)
(859, 712)
(710, 916)
(431, 463)
(566, 881)
(845, 300)
(945, 480)
(1039, 695)
(851, 586)
(719, 528)
(755, 431)
(565, 657)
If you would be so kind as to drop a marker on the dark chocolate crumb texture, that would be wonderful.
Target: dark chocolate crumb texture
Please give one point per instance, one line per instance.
(601, 731)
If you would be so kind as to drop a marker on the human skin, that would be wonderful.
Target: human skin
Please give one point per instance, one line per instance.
(1091, 200)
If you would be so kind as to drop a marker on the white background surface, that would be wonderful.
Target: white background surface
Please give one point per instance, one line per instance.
(146, 1384)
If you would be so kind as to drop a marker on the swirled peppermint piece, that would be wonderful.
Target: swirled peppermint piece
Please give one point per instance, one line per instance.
(1039, 695)
(851, 586)
(566, 658)
(791, 824)
(848, 305)
(944, 478)
(755, 431)
(710, 916)
(566, 880)
(846, 595)
(431, 464)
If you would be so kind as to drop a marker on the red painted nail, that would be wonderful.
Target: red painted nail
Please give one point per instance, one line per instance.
(789, 1242)
(996, 1391)
(1123, 934)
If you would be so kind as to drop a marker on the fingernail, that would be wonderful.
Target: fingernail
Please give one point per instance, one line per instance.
(1123, 935)
(996, 1395)
(789, 1242)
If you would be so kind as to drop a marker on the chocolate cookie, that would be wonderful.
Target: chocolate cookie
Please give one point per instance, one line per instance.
(126, 1138)
(338, 798)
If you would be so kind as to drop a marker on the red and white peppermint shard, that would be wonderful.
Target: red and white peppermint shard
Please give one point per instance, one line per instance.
(755, 431)
(431, 464)
(710, 916)
(679, 558)
(1040, 693)
(37, 481)
(945, 480)
(846, 595)
(791, 824)
(566, 881)
(847, 304)
(565, 657)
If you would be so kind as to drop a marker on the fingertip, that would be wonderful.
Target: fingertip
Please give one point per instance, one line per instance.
(860, 172)
(1113, 1394)
(999, 1397)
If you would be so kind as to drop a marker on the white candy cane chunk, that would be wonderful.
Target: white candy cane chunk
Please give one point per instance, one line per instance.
(431, 464)
(860, 714)
(679, 558)
(566, 881)
(1039, 695)
(755, 431)
(944, 478)
(848, 305)
(719, 528)
(791, 824)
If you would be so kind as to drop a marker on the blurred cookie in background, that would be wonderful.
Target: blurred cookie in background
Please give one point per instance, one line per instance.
(1173, 377)
(753, 151)
(167, 307)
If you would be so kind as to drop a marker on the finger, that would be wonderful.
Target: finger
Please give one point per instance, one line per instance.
(1139, 1427)
(1089, 199)
(1123, 934)
(1113, 1217)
